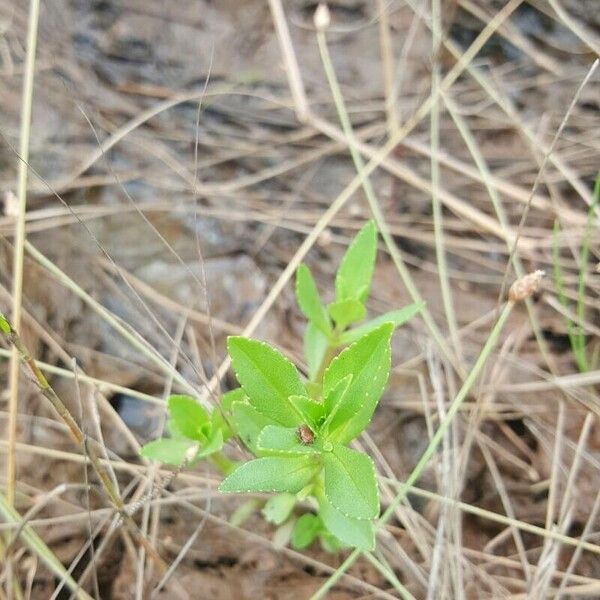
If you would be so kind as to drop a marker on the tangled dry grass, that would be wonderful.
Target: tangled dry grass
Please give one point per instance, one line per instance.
(182, 161)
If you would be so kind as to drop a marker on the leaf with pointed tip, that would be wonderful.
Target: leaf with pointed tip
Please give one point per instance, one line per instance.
(306, 530)
(271, 474)
(357, 533)
(312, 411)
(283, 441)
(397, 317)
(350, 483)
(309, 301)
(248, 423)
(278, 508)
(171, 451)
(187, 416)
(354, 275)
(368, 360)
(344, 312)
(315, 346)
(268, 378)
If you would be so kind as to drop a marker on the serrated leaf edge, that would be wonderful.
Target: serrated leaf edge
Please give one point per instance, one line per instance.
(387, 358)
(372, 464)
(348, 348)
(264, 344)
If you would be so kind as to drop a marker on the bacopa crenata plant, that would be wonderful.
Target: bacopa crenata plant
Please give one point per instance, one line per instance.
(298, 429)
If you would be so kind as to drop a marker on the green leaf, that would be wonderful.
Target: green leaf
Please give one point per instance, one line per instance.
(344, 312)
(283, 440)
(315, 346)
(214, 444)
(368, 360)
(309, 301)
(357, 533)
(334, 399)
(4, 324)
(305, 531)
(278, 508)
(171, 451)
(187, 416)
(397, 317)
(271, 474)
(353, 278)
(268, 378)
(350, 483)
(312, 411)
(248, 423)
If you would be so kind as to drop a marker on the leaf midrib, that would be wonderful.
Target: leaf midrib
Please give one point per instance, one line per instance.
(358, 486)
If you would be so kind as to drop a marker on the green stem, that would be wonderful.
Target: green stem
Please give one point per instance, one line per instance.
(327, 358)
(583, 265)
(219, 460)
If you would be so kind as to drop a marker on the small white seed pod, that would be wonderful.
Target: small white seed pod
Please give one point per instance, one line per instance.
(322, 18)
(526, 286)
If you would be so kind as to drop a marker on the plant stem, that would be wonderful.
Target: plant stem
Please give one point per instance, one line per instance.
(219, 460)
(416, 473)
(327, 358)
(17, 288)
(436, 205)
(583, 265)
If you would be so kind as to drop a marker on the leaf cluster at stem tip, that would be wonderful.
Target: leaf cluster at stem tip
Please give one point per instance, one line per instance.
(299, 429)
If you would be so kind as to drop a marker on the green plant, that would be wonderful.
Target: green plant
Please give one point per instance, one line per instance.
(576, 332)
(298, 430)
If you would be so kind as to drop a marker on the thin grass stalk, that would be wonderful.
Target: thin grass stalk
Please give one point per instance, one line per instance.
(343, 197)
(583, 267)
(433, 444)
(17, 288)
(387, 60)
(508, 107)
(389, 574)
(436, 205)
(18, 257)
(374, 203)
(39, 379)
(572, 334)
(39, 548)
(136, 342)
